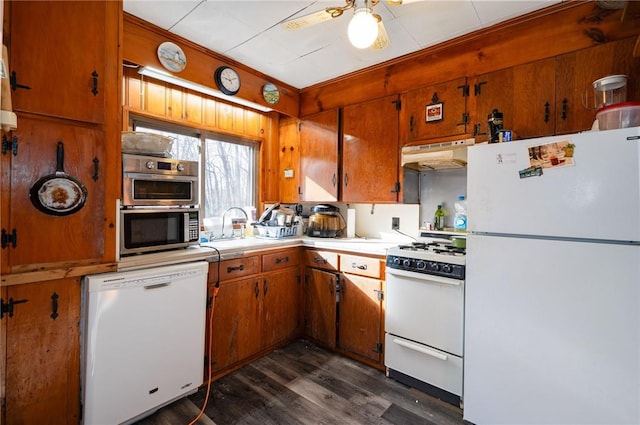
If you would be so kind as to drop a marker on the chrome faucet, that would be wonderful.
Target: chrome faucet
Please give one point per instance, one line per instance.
(224, 216)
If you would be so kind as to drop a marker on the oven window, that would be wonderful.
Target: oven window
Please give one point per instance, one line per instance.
(165, 190)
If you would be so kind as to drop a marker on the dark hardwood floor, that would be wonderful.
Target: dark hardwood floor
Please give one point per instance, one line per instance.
(305, 384)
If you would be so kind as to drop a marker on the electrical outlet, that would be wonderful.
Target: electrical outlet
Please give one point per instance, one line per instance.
(395, 223)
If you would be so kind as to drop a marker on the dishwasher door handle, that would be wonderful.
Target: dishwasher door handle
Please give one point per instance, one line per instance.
(156, 286)
(420, 349)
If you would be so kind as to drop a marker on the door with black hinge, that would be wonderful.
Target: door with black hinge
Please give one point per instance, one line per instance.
(42, 351)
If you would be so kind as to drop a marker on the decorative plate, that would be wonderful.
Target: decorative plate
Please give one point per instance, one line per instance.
(270, 93)
(171, 56)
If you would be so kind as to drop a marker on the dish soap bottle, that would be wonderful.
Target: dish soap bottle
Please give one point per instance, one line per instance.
(460, 219)
(438, 218)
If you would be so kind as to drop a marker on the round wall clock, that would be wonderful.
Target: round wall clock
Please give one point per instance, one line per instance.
(171, 56)
(227, 80)
(270, 93)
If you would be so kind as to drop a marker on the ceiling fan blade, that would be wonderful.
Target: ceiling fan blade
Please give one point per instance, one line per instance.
(382, 41)
(307, 20)
(399, 2)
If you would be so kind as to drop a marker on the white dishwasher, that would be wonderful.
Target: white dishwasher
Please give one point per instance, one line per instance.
(143, 340)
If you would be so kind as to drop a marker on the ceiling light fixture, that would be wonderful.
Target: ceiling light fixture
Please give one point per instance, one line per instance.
(363, 28)
(168, 78)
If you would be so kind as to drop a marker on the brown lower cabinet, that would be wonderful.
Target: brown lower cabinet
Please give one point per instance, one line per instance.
(41, 352)
(256, 308)
(344, 307)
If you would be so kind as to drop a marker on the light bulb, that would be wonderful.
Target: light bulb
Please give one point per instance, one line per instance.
(363, 28)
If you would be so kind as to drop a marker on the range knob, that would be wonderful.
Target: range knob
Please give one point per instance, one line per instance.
(447, 268)
(406, 262)
(421, 265)
(180, 167)
(396, 261)
(434, 266)
(150, 165)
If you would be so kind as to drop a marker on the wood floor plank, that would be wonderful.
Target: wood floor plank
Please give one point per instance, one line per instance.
(303, 384)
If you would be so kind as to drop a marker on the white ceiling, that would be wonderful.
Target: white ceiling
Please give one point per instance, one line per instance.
(249, 31)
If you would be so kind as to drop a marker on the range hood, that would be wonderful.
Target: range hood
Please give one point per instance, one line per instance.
(437, 156)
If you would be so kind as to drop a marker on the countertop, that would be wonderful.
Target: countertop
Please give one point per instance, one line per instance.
(232, 248)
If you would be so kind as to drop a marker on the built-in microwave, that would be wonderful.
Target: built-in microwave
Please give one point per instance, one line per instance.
(153, 181)
(157, 229)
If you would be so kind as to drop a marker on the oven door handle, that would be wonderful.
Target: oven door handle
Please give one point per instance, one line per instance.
(423, 277)
(420, 349)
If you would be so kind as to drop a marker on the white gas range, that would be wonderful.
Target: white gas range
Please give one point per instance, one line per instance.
(425, 314)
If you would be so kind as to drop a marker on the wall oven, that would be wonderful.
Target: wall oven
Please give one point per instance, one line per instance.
(152, 181)
(158, 229)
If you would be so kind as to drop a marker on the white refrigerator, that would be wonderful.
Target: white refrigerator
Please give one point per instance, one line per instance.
(552, 301)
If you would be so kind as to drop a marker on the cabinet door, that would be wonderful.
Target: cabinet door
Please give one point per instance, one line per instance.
(44, 238)
(319, 157)
(58, 50)
(43, 353)
(370, 158)
(289, 160)
(534, 100)
(280, 307)
(320, 306)
(437, 111)
(493, 90)
(360, 313)
(236, 322)
(575, 73)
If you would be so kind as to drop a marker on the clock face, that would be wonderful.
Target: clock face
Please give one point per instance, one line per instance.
(227, 80)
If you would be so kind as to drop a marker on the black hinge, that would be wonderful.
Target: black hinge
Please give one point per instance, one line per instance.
(9, 145)
(477, 88)
(465, 90)
(9, 238)
(398, 104)
(299, 126)
(379, 294)
(465, 119)
(396, 188)
(378, 348)
(8, 307)
(13, 81)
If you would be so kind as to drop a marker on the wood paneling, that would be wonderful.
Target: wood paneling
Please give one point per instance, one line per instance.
(141, 41)
(552, 31)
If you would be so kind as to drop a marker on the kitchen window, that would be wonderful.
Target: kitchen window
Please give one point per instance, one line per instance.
(228, 168)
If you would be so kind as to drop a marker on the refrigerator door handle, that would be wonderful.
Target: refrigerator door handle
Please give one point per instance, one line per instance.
(418, 348)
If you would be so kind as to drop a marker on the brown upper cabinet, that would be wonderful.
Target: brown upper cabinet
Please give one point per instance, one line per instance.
(439, 110)
(309, 158)
(370, 157)
(546, 97)
(58, 58)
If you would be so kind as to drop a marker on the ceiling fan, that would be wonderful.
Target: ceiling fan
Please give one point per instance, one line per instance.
(365, 29)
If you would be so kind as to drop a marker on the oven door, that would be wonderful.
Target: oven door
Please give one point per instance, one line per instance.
(426, 309)
(140, 189)
(146, 230)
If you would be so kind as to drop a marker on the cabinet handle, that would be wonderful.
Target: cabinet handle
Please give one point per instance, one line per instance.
(546, 112)
(54, 306)
(319, 260)
(256, 289)
(354, 265)
(334, 180)
(265, 287)
(346, 179)
(282, 260)
(231, 269)
(94, 77)
(96, 168)
(564, 109)
(411, 124)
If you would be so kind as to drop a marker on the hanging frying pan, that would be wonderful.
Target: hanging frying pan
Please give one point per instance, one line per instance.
(58, 193)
